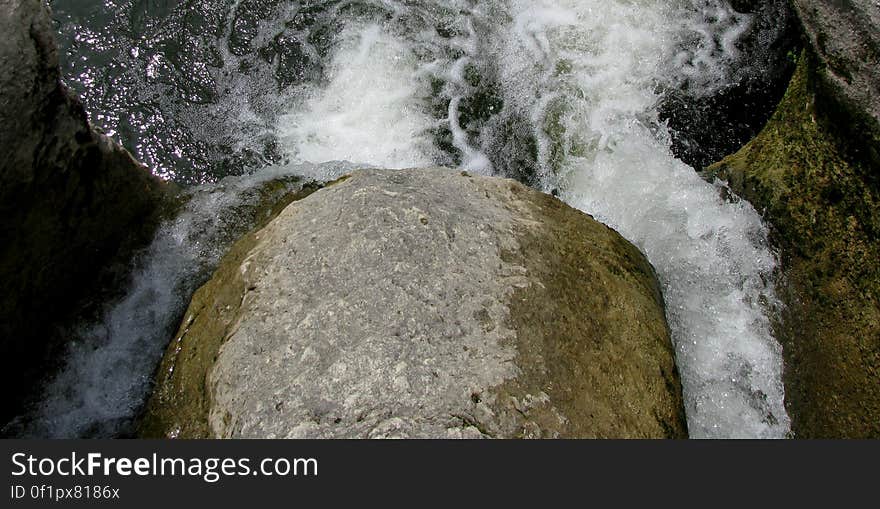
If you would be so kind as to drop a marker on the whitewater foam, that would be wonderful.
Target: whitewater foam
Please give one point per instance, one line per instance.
(712, 256)
(369, 112)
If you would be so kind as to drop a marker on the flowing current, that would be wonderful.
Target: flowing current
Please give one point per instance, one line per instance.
(561, 94)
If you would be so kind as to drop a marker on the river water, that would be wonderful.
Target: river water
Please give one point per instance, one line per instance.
(568, 96)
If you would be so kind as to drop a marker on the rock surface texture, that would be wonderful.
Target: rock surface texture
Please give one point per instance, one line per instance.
(844, 39)
(823, 201)
(423, 303)
(72, 202)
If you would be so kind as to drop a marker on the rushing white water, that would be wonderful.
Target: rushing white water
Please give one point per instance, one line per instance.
(583, 80)
(712, 256)
(372, 89)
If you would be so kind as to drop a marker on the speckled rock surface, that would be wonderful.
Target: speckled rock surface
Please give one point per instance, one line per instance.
(424, 303)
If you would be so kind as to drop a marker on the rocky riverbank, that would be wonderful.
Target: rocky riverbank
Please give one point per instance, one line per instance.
(431, 303)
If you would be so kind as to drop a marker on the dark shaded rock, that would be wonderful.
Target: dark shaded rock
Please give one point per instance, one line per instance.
(824, 207)
(73, 204)
(424, 303)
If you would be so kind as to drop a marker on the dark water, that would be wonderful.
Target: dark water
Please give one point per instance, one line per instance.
(151, 73)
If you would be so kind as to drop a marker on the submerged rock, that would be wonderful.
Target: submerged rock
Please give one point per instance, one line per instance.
(823, 202)
(73, 203)
(423, 303)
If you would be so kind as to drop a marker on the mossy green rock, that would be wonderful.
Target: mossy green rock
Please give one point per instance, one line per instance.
(822, 202)
(423, 303)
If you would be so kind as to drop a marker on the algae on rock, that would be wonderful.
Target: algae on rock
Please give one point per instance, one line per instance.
(822, 202)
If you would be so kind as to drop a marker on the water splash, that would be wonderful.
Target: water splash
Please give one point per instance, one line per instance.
(598, 66)
(369, 112)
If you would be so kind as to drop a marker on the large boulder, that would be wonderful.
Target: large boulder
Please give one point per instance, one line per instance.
(73, 203)
(423, 303)
(823, 202)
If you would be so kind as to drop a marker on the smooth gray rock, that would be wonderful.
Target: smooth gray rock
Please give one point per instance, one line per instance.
(73, 203)
(424, 303)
